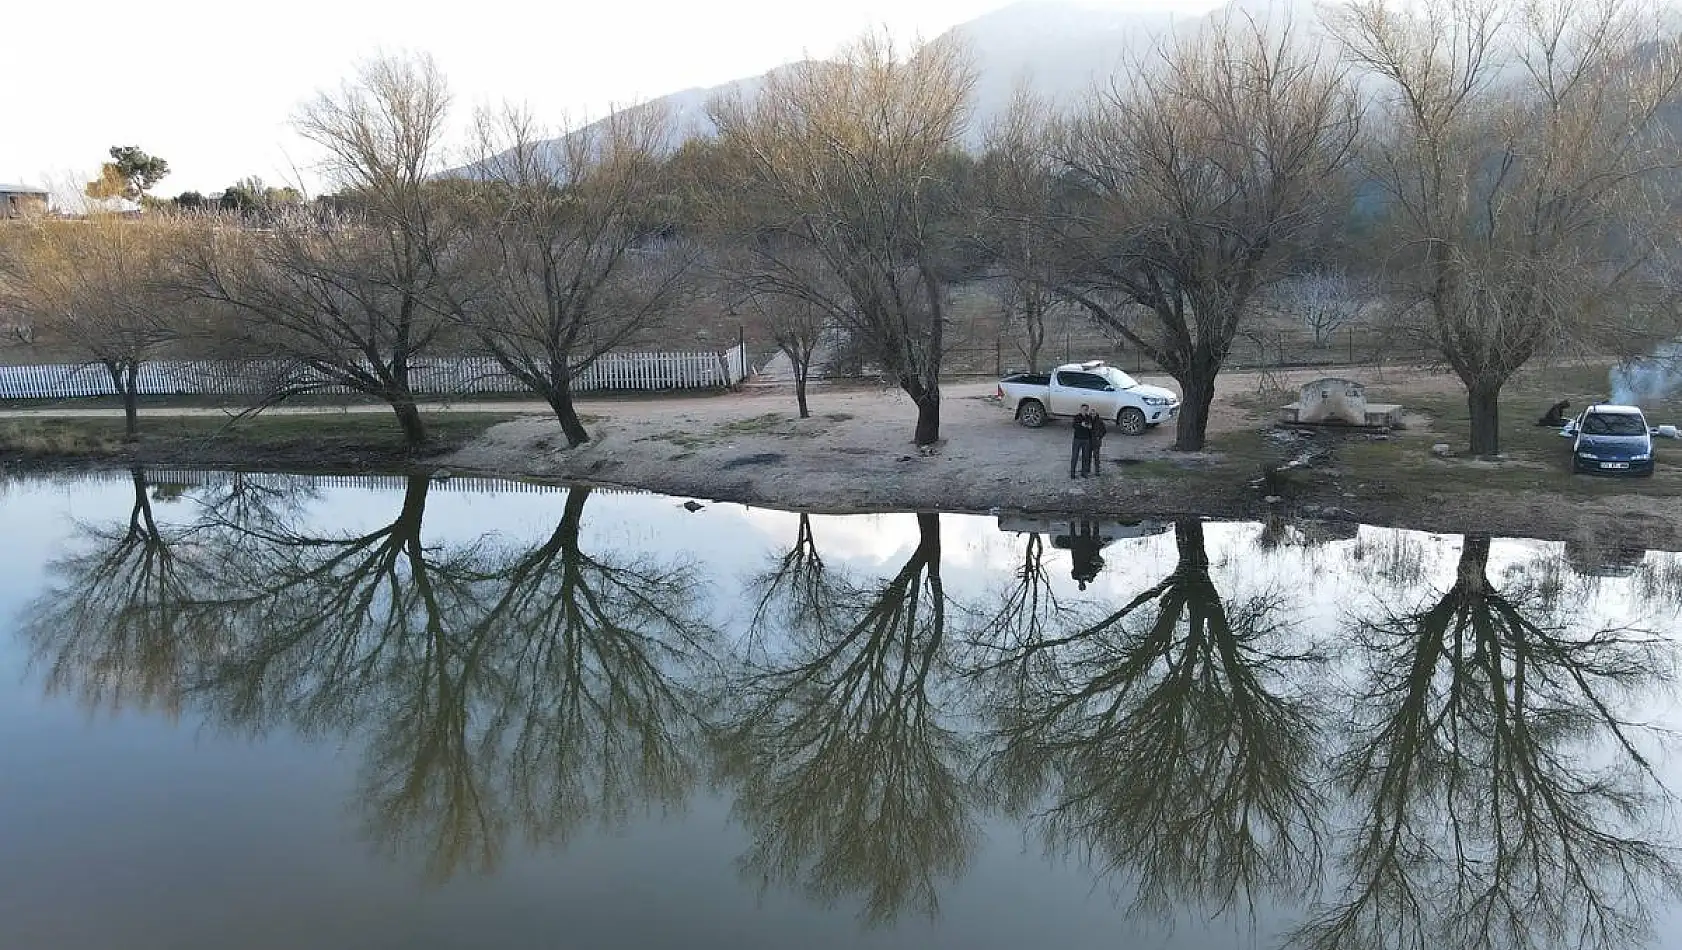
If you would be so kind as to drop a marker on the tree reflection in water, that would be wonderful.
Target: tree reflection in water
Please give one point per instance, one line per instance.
(1028, 610)
(1172, 741)
(125, 619)
(1495, 790)
(1500, 797)
(847, 778)
(501, 692)
(797, 589)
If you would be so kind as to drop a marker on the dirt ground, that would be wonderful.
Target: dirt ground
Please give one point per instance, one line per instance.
(855, 454)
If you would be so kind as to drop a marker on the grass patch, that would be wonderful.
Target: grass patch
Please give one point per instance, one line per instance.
(60, 436)
(325, 437)
(757, 424)
(1146, 468)
(1535, 459)
(679, 438)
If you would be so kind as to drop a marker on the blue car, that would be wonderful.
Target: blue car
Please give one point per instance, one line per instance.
(1610, 440)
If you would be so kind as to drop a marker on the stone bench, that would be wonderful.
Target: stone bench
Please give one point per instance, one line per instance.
(1339, 402)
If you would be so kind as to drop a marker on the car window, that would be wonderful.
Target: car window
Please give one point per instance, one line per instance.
(1614, 424)
(1119, 379)
(1073, 380)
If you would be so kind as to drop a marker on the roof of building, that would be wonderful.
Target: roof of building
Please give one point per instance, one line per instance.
(21, 190)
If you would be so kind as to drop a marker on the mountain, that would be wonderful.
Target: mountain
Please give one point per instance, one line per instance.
(1062, 49)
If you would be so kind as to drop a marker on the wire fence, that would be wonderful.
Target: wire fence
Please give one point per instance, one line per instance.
(447, 376)
(1002, 357)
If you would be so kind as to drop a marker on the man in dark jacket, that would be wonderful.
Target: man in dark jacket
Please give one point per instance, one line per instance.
(1084, 560)
(1089, 431)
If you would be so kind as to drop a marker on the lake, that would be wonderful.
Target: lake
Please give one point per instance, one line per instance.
(282, 712)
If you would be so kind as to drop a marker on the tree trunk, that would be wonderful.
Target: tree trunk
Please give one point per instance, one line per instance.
(123, 385)
(928, 542)
(407, 524)
(131, 403)
(1035, 313)
(409, 417)
(1472, 573)
(1191, 430)
(1188, 540)
(572, 522)
(560, 400)
(1484, 403)
(800, 391)
(928, 417)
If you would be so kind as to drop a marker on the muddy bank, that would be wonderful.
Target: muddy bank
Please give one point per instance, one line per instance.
(855, 455)
(360, 443)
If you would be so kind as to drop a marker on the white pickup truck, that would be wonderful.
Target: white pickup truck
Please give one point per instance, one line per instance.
(1132, 406)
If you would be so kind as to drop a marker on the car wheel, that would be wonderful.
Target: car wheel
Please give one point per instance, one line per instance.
(1031, 414)
(1131, 422)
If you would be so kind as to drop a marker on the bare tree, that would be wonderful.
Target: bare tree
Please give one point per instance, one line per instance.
(1520, 148)
(1323, 302)
(850, 773)
(799, 323)
(853, 162)
(1175, 736)
(571, 236)
(1015, 192)
(1184, 190)
(1028, 609)
(355, 296)
(105, 287)
(124, 623)
(1498, 788)
(502, 690)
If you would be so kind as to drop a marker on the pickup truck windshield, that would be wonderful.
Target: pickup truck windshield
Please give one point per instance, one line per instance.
(1117, 378)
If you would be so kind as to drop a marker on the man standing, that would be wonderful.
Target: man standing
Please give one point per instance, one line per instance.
(1098, 433)
(1089, 431)
(1084, 560)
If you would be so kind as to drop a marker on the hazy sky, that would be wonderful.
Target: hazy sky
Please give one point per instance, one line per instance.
(211, 88)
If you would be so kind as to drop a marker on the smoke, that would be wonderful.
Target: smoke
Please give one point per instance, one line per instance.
(1647, 379)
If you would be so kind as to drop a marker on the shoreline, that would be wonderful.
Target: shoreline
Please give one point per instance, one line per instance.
(1485, 514)
(854, 456)
(1489, 515)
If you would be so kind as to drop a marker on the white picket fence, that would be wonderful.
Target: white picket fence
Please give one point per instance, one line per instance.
(445, 377)
(272, 481)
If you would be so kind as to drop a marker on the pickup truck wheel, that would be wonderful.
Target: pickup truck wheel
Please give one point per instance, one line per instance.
(1130, 421)
(1031, 414)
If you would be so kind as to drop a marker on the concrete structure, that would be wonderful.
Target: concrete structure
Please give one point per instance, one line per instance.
(19, 200)
(1340, 402)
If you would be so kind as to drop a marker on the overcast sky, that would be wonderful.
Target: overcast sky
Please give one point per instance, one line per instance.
(210, 86)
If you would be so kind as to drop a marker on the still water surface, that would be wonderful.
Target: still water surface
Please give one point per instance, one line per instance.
(283, 712)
